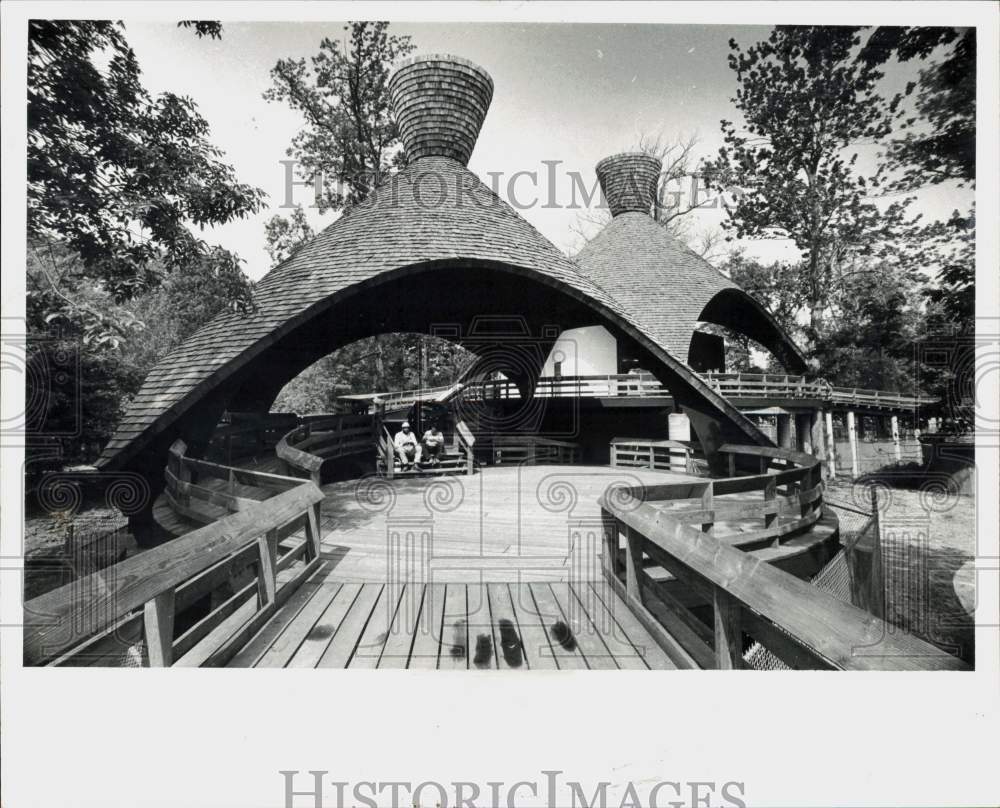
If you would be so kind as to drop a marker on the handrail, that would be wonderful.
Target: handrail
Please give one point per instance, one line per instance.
(188, 497)
(733, 385)
(318, 438)
(159, 582)
(652, 453)
(801, 624)
(532, 449)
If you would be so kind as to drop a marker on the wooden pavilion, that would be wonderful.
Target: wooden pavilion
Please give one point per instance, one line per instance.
(295, 543)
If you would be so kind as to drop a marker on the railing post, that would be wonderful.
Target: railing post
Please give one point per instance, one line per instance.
(610, 554)
(708, 504)
(313, 535)
(158, 621)
(877, 585)
(770, 492)
(633, 563)
(732, 464)
(728, 631)
(267, 582)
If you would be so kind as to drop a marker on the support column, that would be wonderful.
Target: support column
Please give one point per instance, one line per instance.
(803, 432)
(894, 424)
(852, 441)
(832, 444)
(785, 431)
(816, 434)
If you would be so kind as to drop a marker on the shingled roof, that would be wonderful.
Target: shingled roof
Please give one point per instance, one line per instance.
(433, 210)
(664, 285)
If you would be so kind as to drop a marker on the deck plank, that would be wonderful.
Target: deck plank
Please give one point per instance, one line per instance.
(345, 641)
(250, 653)
(595, 652)
(482, 642)
(287, 643)
(646, 647)
(405, 624)
(604, 625)
(376, 632)
(455, 630)
(535, 641)
(427, 643)
(569, 655)
(507, 638)
(320, 636)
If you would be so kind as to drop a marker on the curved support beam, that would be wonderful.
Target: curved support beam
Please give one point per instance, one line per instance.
(735, 309)
(410, 299)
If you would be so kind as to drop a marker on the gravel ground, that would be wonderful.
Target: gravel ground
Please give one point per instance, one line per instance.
(59, 546)
(928, 548)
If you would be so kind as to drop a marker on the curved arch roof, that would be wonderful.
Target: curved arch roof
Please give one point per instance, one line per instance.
(667, 287)
(434, 210)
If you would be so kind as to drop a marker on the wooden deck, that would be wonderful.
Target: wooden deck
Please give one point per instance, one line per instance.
(501, 569)
(504, 524)
(328, 623)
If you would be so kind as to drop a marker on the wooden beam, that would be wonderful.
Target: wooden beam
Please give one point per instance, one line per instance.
(158, 619)
(728, 631)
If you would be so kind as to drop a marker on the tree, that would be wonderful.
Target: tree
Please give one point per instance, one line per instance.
(349, 141)
(107, 370)
(807, 103)
(939, 141)
(284, 236)
(117, 175)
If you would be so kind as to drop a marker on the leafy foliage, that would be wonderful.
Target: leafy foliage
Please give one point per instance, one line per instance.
(111, 366)
(284, 236)
(939, 142)
(349, 140)
(807, 103)
(116, 175)
(203, 28)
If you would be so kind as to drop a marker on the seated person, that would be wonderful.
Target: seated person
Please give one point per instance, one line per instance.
(407, 447)
(432, 444)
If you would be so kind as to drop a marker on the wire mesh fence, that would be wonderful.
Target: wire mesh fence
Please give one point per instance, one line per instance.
(835, 577)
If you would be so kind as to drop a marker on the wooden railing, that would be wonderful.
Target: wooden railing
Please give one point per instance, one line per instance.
(645, 385)
(245, 563)
(465, 442)
(658, 455)
(672, 526)
(532, 450)
(247, 434)
(319, 438)
(189, 496)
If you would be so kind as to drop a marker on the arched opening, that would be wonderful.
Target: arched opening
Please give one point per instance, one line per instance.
(505, 313)
(735, 310)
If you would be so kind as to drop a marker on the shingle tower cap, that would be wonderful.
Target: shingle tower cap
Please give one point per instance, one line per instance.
(629, 181)
(440, 102)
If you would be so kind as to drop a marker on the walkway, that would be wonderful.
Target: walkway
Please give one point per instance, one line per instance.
(538, 626)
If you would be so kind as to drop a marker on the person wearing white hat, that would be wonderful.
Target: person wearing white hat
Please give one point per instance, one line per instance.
(407, 447)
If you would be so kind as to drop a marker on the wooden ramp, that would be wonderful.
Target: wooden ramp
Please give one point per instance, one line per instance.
(330, 623)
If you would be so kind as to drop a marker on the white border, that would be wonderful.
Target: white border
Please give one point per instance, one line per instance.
(218, 738)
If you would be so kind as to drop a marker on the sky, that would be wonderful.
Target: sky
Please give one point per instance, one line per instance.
(572, 93)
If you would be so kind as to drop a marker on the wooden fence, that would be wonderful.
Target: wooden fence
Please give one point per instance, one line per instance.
(672, 527)
(319, 438)
(248, 434)
(658, 455)
(252, 557)
(533, 450)
(189, 496)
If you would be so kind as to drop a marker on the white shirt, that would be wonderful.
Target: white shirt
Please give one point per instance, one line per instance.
(403, 439)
